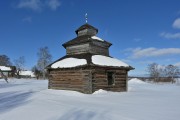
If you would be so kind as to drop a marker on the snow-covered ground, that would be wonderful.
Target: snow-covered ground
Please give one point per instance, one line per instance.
(31, 100)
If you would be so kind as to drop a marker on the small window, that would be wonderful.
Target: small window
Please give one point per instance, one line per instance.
(110, 78)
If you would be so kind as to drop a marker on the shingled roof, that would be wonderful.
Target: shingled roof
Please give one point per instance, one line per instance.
(86, 26)
(77, 40)
(82, 39)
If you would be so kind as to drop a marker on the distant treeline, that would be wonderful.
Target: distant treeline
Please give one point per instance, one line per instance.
(161, 79)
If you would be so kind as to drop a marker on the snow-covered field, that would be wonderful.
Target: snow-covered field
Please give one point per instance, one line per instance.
(31, 100)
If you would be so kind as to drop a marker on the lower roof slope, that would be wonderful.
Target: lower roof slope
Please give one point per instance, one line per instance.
(84, 39)
(72, 61)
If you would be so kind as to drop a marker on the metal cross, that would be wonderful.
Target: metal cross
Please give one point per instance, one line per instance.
(86, 17)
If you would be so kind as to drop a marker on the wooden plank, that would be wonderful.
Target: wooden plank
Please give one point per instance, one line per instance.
(100, 80)
(73, 89)
(120, 82)
(120, 76)
(67, 77)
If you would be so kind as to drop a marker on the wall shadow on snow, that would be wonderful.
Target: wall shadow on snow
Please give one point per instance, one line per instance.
(78, 115)
(11, 100)
(84, 114)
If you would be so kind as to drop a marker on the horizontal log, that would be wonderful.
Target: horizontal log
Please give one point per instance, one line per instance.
(100, 77)
(121, 72)
(62, 88)
(120, 82)
(77, 83)
(100, 84)
(64, 72)
(117, 89)
(70, 70)
(120, 76)
(68, 81)
(100, 80)
(60, 85)
(67, 85)
(120, 85)
(67, 78)
(99, 72)
(66, 75)
(60, 82)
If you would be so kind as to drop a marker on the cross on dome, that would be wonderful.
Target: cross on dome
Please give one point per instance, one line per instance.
(86, 17)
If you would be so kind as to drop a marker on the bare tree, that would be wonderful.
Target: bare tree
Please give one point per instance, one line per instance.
(44, 58)
(154, 71)
(165, 73)
(171, 71)
(5, 60)
(19, 63)
(5, 77)
(36, 71)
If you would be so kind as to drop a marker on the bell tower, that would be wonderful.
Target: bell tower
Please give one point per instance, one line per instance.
(86, 29)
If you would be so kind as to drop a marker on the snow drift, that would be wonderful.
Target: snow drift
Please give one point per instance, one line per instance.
(31, 100)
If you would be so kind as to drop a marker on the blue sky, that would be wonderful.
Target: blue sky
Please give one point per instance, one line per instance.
(141, 31)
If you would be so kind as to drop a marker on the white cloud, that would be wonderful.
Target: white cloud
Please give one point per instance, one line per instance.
(176, 23)
(53, 4)
(161, 67)
(153, 52)
(177, 64)
(35, 5)
(126, 60)
(167, 35)
(39, 5)
(170, 35)
(145, 62)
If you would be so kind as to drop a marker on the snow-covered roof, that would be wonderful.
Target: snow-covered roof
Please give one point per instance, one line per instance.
(107, 61)
(97, 38)
(4, 68)
(27, 73)
(88, 59)
(69, 62)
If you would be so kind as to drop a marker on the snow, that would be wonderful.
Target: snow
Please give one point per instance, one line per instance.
(97, 38)
(136, 81)
(100, 91)
(22, 99)
(69, 62)
(107, 61)
(4, 68)
(27, 73)
(96, 59)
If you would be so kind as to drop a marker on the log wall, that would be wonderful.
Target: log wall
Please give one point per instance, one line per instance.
(100, 80)
(78, 49)
(88, 80)
(78, 80)
(95, 48)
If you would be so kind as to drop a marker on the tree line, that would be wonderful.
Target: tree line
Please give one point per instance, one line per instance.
(44, 58)
(159, 73)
